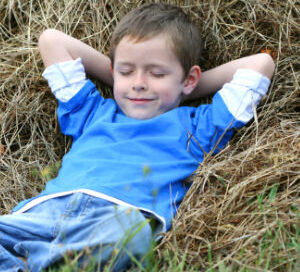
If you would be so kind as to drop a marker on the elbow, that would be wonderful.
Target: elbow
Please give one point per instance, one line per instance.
(268, 65)
(47, 38)
(51, 46)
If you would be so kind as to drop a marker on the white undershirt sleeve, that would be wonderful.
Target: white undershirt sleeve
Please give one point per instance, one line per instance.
(65, 78)
(244, 91)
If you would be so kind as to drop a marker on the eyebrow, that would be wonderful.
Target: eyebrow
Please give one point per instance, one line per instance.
(125, 63)
(148, 66)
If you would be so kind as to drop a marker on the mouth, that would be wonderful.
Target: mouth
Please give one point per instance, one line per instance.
(140, 101)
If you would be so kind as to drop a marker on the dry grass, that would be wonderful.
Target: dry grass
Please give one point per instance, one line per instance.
(243, 208)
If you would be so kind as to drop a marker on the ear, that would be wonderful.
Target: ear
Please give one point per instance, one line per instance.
(191, 79)
(111, 70)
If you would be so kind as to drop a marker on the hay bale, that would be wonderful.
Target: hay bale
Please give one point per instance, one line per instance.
(243, 208)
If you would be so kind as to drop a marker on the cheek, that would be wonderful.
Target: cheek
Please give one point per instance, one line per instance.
(119, 86)
(117, 94)
(169, 99)
(167, 95)
(168, 92)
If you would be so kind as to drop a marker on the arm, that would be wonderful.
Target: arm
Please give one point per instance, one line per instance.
(213, 79)
(55, 46)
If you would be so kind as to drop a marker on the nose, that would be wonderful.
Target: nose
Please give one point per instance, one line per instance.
(139, 82)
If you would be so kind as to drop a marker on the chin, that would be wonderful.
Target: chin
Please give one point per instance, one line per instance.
(141, 116)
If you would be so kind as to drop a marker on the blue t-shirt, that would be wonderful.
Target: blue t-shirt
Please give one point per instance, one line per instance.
(144, 163)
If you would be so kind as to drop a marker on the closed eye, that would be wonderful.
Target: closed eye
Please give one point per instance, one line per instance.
(125, 72)
(158, 74)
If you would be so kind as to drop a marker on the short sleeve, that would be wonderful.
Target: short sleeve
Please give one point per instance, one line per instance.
(232, 107)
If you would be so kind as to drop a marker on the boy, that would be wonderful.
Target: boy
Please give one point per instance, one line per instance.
(130, 156)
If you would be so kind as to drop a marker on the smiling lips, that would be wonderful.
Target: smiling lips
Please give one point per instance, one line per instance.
(140, 101)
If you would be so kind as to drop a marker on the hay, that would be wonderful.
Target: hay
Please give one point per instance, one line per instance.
(243, 208)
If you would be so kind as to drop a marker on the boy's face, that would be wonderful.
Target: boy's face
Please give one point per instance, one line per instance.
(148, 78)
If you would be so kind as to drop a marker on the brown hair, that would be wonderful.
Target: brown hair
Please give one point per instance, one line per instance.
(152, 19)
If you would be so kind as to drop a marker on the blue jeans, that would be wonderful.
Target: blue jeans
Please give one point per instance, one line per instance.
(92, 228)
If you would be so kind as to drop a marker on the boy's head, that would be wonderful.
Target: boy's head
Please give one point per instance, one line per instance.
(155, 53)
(150, 20)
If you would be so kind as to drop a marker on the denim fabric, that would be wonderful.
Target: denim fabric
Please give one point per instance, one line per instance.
(77, 223)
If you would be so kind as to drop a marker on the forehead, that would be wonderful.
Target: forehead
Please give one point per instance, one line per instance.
(157, 47)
